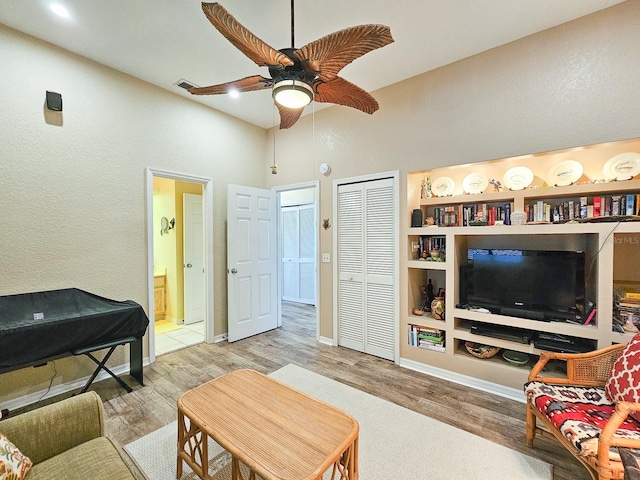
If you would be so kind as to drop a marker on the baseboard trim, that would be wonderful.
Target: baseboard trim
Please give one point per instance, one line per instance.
(35, 397)
(326, 341)
(220, 338)
(489, 387)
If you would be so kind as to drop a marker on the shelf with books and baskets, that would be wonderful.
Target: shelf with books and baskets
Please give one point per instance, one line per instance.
(594, 220)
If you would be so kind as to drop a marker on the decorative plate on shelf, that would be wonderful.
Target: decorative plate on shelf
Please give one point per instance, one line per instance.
(515, 358)
(475, 183)
(443, 186)
(624, 166)
(518, 178)
(565, 173)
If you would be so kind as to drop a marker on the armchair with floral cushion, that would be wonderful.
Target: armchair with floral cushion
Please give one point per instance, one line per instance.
(64, 440)
(594, 410)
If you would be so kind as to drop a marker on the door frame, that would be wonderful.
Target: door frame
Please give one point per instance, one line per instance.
(395, 175)
(316, 196)
(207, 199)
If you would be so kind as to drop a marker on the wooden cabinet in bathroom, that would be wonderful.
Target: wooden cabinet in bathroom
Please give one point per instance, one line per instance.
(159, 296)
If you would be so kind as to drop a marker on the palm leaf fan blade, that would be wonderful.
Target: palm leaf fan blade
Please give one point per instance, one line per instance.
(247, 84)
(241, 38)
(288, 116)
(342, 92)
(329, 54)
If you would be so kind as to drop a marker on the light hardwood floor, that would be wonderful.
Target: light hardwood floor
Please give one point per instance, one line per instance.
(130, 416)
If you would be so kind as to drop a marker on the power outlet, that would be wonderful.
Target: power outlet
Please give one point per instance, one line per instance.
(326, 258)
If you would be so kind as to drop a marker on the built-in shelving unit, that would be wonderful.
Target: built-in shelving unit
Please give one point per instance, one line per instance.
(610, 248)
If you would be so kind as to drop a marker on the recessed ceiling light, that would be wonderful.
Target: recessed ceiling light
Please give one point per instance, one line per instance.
(59, 10)
(234, 93)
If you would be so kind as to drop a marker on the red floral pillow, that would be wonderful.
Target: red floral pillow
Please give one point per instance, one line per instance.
(623, 384)
(13, 464)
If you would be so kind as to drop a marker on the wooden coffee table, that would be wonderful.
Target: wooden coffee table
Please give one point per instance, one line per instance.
(276, 431)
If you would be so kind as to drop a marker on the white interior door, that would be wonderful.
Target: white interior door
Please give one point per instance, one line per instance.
(252, 261)
(299, 254)
(366, 234)
(193, 251)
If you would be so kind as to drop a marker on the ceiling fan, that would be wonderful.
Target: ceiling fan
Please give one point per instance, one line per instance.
(299, 75)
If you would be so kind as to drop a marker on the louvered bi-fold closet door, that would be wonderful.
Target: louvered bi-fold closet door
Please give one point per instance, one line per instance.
(366, 265)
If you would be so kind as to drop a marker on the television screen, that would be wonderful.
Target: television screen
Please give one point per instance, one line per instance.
(530, 283)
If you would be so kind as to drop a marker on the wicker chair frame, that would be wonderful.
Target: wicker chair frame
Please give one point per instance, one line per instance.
(591, 370)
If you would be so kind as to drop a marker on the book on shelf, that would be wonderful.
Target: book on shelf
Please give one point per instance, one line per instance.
(425, 337)
(583, 209)
(433, 347)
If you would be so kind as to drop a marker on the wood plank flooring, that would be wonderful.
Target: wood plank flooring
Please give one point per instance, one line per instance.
(130, 416)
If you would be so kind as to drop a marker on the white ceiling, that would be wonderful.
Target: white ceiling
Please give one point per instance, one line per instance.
(163, 41)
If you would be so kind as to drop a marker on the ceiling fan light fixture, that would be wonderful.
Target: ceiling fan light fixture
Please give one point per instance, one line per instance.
(292, 93)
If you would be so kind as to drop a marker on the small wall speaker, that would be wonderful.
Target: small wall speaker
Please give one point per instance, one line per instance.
(416, 218)
(54, 101)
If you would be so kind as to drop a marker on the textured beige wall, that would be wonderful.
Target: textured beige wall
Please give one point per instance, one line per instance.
(72, 184)
(576, 84)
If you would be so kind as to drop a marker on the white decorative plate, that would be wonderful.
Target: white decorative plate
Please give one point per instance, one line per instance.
(475, 183)
(624, 166)
(443, 186)
(518, 178)
(565, 173)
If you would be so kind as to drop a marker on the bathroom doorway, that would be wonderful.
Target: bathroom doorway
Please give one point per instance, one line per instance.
(181, 304)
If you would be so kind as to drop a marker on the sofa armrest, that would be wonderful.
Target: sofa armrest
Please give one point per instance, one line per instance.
(50, 430)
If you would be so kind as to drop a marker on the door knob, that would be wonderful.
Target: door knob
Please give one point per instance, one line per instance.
(234, 270)
(189, 265)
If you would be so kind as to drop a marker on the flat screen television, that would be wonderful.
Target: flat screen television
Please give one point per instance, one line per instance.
(536, 284)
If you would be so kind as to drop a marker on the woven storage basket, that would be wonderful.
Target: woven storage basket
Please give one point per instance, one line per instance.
(481, 351)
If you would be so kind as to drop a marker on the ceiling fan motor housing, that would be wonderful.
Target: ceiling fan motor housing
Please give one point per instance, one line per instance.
(293, 72)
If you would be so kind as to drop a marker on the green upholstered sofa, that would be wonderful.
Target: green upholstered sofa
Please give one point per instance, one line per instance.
(65, 440)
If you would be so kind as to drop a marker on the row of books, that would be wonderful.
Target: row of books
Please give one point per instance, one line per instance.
(475, 214)
(425, 337)
(585, 207)
(427, 243)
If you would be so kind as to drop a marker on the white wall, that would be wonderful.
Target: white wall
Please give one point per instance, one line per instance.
(72, 184)
(575, 84)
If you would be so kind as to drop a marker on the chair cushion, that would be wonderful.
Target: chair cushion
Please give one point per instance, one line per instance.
(96, 459)
(623, 384)
(580, 413)
(13, 464)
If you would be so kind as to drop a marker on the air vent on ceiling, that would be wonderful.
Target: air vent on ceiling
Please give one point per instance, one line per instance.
(186, 84)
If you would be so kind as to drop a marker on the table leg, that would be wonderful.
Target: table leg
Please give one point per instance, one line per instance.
(180, 443)
(192, 444)
(347, 465)
(236, 474)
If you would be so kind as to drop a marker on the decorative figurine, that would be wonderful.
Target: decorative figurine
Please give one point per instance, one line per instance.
(497, 186)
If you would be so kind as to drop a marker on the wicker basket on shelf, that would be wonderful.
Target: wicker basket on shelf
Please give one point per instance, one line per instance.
(481, 351)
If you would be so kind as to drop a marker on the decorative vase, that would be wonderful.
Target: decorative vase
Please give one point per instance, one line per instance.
(437, 308)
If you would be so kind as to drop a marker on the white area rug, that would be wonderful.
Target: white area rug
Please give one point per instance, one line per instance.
(395, 443)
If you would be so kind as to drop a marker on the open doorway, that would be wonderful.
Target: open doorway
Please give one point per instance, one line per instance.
(298, 234)
(180, 261)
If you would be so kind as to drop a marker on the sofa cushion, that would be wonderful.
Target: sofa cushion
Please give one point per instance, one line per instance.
(95, 459)
(580, 413)
(623, 384)
(13, 464)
